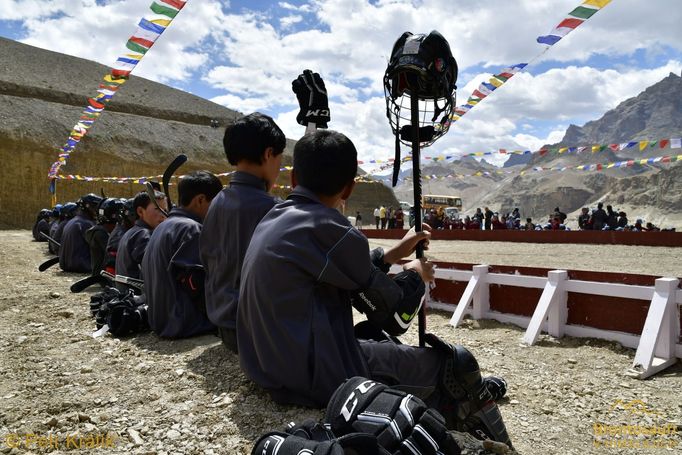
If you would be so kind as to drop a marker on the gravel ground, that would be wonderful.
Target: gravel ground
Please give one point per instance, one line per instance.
(154, 396)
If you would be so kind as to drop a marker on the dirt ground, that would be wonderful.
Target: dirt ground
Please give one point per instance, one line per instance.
(154, 396)
(645, 260)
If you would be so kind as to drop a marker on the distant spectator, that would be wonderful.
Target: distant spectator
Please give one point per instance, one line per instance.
(377, 217)
(622, 220)
(560, 214)
(382, 216)
(611, 218)
(515, 214)
(399, 218)
(599, 217)
(391, 218)
(650, 227)
(529, 226)
(496, 223)
(509, 221)
(471, 223)
(638, 225)
(478, 217)
(488, 214)
(584, 219)
(358, 220)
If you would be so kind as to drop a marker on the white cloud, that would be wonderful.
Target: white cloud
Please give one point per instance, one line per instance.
(251, 57)
(288, 21)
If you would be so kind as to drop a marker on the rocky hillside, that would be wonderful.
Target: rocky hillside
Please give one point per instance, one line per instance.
(42, 94)
(651, 192)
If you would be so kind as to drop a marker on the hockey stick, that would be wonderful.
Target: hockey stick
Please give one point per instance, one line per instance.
(134, 282)
(47, 264)
(50, 239)
(417, 195)
(170, 170)
(81, 285)
(152, 195)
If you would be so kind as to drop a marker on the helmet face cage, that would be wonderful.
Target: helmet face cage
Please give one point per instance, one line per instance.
(421, 66)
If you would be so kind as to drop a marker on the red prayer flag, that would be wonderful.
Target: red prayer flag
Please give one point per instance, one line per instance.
(570, 23)
(175, 3)
(664, 143)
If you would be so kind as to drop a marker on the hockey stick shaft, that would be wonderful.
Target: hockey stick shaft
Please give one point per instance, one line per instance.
(152, 195)
(50, 239)
(417, 194)
(134, 282)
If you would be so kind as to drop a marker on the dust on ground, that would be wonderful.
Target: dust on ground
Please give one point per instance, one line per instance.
(155, 396)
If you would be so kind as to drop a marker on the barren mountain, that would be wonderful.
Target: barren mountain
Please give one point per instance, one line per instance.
(146, 124)
(652, 192)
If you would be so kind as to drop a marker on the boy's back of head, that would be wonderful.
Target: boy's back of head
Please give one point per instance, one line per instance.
(249, 136)
(325, 162)
(195, 183)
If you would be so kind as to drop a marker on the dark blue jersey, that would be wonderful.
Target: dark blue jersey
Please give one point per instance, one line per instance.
(97, 238)
(295, 322)
(173, 278)
(131, 249)
(74, 253)
(56, 234)
(228, 227)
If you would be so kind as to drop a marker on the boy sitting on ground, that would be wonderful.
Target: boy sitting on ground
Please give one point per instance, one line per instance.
(133, 244)
(254, 143)
(171, 265)
(306, 268)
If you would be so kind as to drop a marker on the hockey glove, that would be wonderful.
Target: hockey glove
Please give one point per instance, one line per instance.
(312, 99)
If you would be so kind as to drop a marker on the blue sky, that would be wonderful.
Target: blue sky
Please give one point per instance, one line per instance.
(244, 55)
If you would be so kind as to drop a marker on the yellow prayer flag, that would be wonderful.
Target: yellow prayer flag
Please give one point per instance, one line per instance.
(496, 82)
(643, 145)
(597, 3)
(595, 148)
(161, 22)
(563, 149)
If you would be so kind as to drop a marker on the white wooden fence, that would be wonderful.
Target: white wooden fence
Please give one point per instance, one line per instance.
(658, 346)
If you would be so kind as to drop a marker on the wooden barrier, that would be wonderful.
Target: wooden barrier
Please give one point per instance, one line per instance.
(666, 238)
(638, 311)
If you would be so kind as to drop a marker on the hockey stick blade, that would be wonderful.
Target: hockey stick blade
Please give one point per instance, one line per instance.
(81, 285)
(49, 263)
(152, 195)
(170, 170)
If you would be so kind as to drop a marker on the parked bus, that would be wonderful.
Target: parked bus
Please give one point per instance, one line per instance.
(434, 201)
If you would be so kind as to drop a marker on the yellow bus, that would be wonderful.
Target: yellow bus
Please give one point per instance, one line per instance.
(436, 201)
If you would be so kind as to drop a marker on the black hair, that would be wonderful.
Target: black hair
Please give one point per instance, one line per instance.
(142, 199)
(198, 182)
(249, 136)
(325, 161)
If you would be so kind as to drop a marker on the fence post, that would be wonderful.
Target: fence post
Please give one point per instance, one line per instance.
(553, 303)
(477, 280)
(481, 297)
(656, 350)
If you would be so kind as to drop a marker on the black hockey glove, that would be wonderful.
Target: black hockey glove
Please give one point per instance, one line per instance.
(312, 99)
(402, 423)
